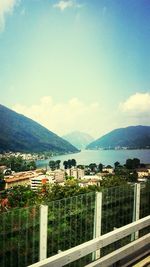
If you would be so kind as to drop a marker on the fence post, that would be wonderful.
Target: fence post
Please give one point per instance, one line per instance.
(136, 208)
(97, 222)
(43, 232)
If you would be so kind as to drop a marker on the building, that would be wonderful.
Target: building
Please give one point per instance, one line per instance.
(108, 169)
(38, 182)
(57, 175)
(51, 177)
(89, 181)
(143, 172)
(75, 172)
(20, 178)
(3, 168)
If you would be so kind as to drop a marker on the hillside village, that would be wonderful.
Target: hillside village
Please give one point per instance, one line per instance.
(84, 175)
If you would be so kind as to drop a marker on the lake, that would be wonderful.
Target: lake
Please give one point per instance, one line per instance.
(105, 157)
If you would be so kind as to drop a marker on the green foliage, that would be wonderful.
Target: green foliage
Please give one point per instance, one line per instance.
(100, 167)
(2, 182)
(21, 196)
(121, 170)
(117, 164)
(69, 178)
(80, 166)
(132, 164)
(127, 174)
(65, 163)
(132, 177)
(54, 164)
(93, 167)
(71, 188)
(69, 163)
(112, 180)
(17, 164)
(73, 162)
(1, 176)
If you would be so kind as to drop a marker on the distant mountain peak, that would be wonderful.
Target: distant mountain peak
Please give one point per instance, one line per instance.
(19, 133)
(78, 139)
(131, 137)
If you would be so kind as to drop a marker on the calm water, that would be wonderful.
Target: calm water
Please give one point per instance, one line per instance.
(101, 156)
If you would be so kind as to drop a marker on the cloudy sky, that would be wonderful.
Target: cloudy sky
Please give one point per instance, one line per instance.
(76, 64)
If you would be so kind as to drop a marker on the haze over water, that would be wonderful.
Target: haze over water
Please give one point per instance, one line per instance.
(105, 157)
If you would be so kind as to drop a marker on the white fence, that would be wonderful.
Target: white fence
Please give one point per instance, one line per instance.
(97, 221)
(86, 248)
(32, 234)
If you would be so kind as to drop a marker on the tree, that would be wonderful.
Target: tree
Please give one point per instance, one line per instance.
(111, 181)
(21, 196)
(136, 163)
(100, 167)
(80, 167)
(132, 164)
(65, 163)
(18, 164)
(69, 163)
(2, 182)
(129, 164)
(58, 164)
(52, 165)
(73, 162)
(122, 170)
(133, 177)
(109, 167)
(117, 164)
(93, 167)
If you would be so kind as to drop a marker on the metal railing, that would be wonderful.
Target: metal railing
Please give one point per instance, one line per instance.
(31, 234)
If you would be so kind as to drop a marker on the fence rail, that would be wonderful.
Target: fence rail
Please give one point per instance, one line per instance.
(82, 250)
(31, 234)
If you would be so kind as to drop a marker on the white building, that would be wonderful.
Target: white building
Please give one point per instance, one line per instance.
(38, 182)
(57, 175)
(75, 172)
(143, 173)
(108, 170)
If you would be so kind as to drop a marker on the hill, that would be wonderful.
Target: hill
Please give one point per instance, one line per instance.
(79, 139)
(132, 137)
(19, 133)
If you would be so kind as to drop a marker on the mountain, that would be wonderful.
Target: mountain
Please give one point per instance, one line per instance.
(132, 137)
(19, 133)
(78, 139)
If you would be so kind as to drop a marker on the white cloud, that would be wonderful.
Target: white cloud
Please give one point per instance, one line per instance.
(65, 4)
(136, 110)
(92, 118)
(62, 118)
(6, 7)
(137, 104)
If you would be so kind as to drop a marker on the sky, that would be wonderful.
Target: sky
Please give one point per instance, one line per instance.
(76, 64)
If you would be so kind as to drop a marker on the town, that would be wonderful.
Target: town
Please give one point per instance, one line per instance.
(20, 169)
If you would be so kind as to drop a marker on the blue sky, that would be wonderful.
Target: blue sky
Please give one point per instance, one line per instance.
(76, 64)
